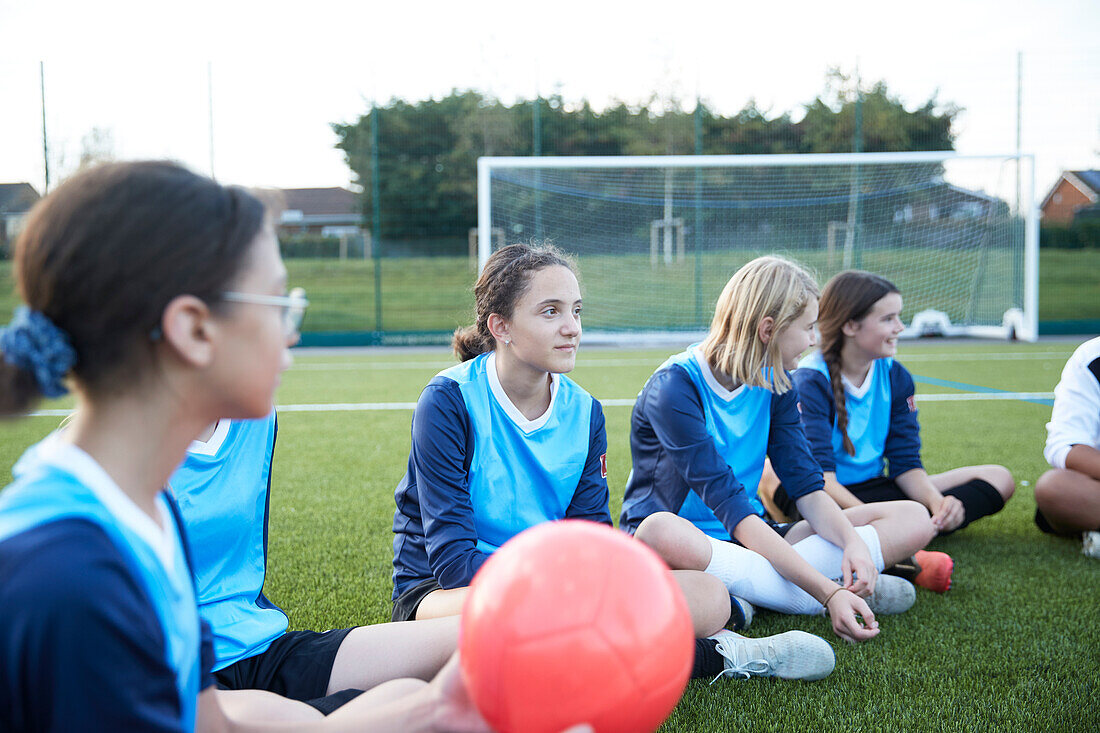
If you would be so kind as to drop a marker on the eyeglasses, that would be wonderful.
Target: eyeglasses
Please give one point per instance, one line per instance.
(293, 304)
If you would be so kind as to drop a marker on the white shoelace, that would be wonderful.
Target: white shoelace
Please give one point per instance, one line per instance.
(747, 667)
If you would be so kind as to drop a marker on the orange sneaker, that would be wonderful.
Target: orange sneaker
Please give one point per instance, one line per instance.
(935, 570)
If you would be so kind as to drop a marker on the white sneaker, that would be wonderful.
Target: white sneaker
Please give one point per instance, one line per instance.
(794, 655)
(1091, 544)
(742, 613)
(892, 595)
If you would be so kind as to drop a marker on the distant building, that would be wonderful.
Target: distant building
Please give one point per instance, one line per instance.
(16, 199)
(329, 212)
(1074, 191)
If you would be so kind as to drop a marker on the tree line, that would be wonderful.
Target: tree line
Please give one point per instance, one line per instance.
(424, 153)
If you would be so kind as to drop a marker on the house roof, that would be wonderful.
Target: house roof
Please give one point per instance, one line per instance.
(321, 201)
(15, 198)
(1090, 179)
(1087, 182)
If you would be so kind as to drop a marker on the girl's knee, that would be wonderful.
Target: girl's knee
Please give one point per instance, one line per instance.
(1001, 479)
(677, 541)
(1046, 486)
(916, 521)
(658, 529)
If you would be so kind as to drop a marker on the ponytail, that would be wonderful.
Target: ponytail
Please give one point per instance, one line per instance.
(468, 342)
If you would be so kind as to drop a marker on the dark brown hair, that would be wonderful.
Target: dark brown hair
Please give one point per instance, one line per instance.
(502, 283)
(103, 255)
(848, 296)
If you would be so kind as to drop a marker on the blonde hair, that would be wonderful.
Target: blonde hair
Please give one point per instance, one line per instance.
(765, 287)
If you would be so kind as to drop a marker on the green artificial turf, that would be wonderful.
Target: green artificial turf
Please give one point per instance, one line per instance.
(1014, 645)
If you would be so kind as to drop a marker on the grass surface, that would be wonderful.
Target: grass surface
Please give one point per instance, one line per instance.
(1013, 646)
(434, 293)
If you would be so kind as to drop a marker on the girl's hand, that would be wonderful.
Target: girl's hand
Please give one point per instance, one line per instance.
(843, 609)
(860, 573)
(948, 515)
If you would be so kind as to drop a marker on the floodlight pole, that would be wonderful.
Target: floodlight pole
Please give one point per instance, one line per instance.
(210, 108)
(45, 148)
(697, 232)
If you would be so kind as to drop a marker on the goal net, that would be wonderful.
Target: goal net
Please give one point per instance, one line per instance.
(657, 237)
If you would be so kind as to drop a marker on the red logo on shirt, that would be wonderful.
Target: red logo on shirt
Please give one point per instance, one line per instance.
(603, 466)
(912, 403)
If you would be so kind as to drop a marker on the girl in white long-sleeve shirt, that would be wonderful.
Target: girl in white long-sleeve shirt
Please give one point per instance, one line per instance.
(1068, 495)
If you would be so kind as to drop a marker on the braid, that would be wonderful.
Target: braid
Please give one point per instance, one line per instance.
(832, 361)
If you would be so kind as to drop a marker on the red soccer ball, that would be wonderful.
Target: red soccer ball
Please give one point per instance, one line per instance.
(574, 622)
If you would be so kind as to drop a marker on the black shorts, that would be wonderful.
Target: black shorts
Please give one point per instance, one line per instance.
(781, 528)
(404, 608)
(978, 497)
(297, 665)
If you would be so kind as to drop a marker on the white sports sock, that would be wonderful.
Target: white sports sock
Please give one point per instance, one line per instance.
(749, 575)
(827, 557)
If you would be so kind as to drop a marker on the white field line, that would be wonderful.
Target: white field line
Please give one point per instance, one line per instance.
(438, 365)
(618, 402)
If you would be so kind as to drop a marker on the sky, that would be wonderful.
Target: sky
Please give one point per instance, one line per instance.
(144, 74)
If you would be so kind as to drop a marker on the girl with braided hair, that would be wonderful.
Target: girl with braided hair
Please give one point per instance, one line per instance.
(860, 416)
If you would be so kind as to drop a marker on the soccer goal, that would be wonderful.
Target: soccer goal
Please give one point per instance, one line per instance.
(657, 237)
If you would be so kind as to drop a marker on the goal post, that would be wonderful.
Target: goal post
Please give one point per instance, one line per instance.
(656, 237)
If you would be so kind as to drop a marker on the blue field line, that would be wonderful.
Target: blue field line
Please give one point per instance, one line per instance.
(978, 388)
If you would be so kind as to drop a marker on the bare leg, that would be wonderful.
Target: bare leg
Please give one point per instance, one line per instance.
(676, 540)
(765, 492)
(372, 655)
(903, 527)
(256, 706)
(707, 600)
(1069, 500)
(706, 597)
(440, 603)
(998, 477)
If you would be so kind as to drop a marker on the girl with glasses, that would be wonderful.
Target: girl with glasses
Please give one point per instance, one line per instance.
(148, 292)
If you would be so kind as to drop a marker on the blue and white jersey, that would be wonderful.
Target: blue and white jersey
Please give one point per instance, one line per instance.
(699, 448)
(882, 420)
(222, 488)
(98, 623)
(480, 472)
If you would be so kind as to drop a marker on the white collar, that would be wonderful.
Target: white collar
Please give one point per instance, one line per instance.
(527, 426)
(861, 390)
(708, 377)
(73, 460)
(213, 444)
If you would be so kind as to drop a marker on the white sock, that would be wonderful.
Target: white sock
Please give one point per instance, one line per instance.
(749, 575)
(827, 557)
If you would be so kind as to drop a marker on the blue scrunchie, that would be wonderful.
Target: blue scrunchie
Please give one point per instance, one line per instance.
(32, 342)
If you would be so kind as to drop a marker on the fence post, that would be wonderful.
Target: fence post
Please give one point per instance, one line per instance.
(536, 150)
(697, 230)
(376, 218)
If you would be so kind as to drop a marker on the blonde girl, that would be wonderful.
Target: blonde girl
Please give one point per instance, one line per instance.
(700, 431)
